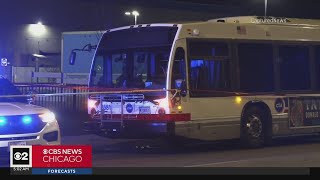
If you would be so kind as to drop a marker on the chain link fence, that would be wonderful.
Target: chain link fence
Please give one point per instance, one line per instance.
(74, 102)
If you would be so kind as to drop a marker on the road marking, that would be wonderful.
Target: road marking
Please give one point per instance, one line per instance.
(219, 163)
(291, 157)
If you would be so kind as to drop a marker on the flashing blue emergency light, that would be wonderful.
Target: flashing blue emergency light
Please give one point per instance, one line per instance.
(3, 121)
(27, 120)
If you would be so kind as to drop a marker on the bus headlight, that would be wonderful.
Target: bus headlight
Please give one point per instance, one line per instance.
(48, 117)
(93, 103)
(162, 103)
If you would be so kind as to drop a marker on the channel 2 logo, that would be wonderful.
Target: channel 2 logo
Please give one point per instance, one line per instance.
(45, 151)
(21, 156)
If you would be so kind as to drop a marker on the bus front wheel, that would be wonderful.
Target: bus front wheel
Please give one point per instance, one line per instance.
(253, 127)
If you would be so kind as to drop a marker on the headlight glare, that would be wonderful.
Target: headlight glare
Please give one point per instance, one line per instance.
(48, 117)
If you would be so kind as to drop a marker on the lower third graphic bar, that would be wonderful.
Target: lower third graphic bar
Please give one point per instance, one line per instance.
(62, 171)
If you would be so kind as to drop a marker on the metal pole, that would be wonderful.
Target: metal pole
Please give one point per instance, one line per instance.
(265, 7)
(74, 100)
(135, 19)
(37, 68)
(101, 110)
(122, 104)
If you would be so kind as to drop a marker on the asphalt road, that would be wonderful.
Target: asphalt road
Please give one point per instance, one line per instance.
(285, 152)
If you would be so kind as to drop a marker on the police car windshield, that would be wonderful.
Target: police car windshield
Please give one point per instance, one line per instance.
(7, 88)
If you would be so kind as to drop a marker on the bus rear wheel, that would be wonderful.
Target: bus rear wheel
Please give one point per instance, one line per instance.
(253, 127)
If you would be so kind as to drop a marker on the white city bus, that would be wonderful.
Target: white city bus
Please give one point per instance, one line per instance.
(248, 78)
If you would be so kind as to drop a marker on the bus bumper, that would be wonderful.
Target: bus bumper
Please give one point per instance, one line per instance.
(131, 129)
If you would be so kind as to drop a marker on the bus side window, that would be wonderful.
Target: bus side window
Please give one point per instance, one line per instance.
(178, 69)
(294, 67)
(209, 68)
(256, 67)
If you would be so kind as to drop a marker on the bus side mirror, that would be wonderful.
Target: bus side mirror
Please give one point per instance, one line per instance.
(73, 57)
(91, 47)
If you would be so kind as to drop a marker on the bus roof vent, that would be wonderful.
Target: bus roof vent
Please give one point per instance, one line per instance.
(221, 20)
(245, 19)
(240, 19)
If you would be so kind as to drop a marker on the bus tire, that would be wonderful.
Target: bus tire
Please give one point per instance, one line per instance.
(253, 127)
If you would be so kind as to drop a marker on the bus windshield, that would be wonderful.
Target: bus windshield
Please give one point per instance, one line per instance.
(133, 58)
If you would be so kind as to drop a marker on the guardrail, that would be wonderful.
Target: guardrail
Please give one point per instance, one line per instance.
(63, 78)
(76, 101)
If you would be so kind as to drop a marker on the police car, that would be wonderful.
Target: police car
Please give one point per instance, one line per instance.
(22, 123)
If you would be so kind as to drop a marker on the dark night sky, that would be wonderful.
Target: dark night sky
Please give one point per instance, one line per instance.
(88, 13)
(284, 8)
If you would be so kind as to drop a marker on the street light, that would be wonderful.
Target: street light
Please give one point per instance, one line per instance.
(135, 14)
(37, 30)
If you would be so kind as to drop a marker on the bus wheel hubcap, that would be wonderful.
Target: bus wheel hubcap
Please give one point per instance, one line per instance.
(254, 126)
